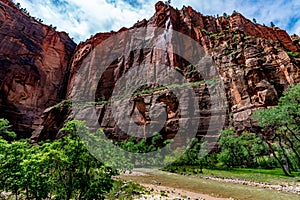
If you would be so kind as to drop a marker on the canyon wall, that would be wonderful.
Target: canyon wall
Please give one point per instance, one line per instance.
(34, 61)
(256, 63)
(38, 69)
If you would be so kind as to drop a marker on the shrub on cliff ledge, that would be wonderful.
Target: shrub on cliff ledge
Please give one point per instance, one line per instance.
(4, 128)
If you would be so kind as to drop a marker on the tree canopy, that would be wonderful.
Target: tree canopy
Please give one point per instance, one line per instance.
(281, 127)
(60, 169)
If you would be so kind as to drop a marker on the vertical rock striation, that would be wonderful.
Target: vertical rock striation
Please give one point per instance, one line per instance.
(256, 63)
(253, 60)
(33, 63)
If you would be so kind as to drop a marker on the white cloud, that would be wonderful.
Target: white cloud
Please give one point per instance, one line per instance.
(296, 28)
(84, 18)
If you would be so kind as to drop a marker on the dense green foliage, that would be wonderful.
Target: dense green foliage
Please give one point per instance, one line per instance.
(245, 150)
(277, 145)
(138, 150)
(195, 155)
(4, 128)
(281, 125)
(61, 169)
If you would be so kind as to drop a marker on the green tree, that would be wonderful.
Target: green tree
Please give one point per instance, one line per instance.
(241, 150)
(37, 174)
(196, 154)
(138, 148)
(61, 169)
(78, 174)
(281, 129)
(272, 24)
(232, 152)
(11, 171)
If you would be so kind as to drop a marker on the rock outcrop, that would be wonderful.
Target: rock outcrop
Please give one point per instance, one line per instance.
(253, 60)
(256, 64)
(33, 64)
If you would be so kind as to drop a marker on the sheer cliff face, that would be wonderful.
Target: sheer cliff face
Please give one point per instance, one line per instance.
(33, 63)
(256, 63)
(252, 60)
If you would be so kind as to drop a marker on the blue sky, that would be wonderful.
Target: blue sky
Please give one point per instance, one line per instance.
(83, 18)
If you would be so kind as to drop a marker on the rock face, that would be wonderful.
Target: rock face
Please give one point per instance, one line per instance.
(256, 63)
(33, 63)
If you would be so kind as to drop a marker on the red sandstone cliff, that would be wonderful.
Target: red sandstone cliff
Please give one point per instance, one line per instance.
(254, 62)
(33, 62)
